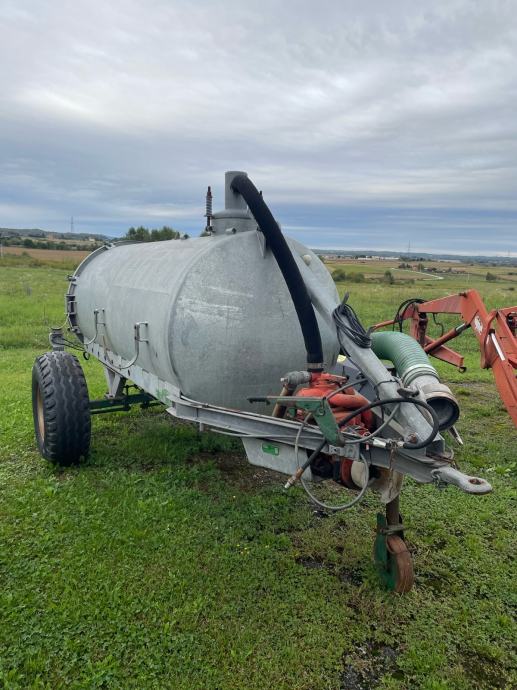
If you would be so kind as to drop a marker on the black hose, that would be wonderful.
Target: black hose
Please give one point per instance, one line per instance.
(377, 403)
(348, 322)
(287, 265)
(389, 401)
(398, 321)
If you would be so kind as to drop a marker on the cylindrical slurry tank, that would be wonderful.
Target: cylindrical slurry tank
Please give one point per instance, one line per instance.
(221, 322)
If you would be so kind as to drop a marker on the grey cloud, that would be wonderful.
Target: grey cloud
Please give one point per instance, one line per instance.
(122, 113)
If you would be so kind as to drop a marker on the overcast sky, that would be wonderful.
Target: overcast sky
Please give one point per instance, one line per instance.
(366, 125)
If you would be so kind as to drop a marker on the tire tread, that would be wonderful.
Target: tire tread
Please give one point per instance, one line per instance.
(66, 409)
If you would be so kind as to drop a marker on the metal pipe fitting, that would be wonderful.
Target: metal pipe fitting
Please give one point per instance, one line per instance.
(414, 368)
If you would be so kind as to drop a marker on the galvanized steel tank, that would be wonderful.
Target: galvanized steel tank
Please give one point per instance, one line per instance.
(221, 322)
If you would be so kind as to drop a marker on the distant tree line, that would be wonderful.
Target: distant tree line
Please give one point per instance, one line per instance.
(142, 234)
(341, 276)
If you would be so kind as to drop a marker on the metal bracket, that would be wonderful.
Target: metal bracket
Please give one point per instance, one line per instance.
(321, 411)
(116, 383)
(97, 323)
(385, 568)
(387, 530)
(55, 339)
(138, 340)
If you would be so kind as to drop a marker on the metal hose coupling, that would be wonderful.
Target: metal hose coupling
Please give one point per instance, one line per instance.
(413, 367)
(294, 477)
(293, 379)
(441, 399)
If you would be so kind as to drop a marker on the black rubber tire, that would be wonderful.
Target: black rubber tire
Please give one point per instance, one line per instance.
(60, 408)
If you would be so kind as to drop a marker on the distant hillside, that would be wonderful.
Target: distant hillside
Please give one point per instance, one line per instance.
(417, 256)
(48, 234)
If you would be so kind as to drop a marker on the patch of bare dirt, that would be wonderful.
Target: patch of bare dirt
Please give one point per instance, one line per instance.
(369, 663)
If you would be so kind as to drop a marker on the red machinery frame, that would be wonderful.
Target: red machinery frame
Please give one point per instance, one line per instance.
(495, 331)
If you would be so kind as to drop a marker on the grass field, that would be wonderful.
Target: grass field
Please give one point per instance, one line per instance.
(36, 258)
(168, 562)
(465, 273)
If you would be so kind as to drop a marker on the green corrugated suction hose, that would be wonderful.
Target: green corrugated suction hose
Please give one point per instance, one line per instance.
(411, 363)
(407, 355)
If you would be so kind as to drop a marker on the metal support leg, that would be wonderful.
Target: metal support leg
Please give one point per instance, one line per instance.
(393, 512)
(116, 383)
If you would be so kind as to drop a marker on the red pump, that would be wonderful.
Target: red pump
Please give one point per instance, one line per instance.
(342, 400)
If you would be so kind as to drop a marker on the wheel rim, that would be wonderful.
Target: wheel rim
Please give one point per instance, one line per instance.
(40, 414)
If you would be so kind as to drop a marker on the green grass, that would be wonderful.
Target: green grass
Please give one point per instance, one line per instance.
(57, 259)
(168, 562)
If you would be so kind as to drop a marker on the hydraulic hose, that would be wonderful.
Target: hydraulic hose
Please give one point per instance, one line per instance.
(389, 401)
(376, 403)
(287, 265)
